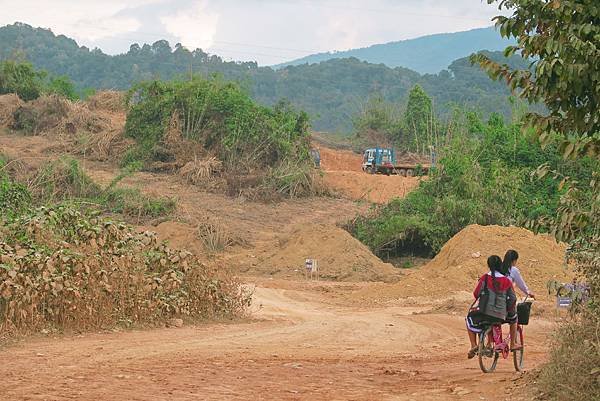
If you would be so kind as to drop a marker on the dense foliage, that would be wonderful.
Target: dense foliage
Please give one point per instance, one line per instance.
(261, 149)
(484, 179)
(222, 117)
(29, 84)
(563, 37)
(409, 127)
(331, 92)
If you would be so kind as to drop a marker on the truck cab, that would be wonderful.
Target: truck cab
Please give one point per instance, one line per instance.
(378, 160)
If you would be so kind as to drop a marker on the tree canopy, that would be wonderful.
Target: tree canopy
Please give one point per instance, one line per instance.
(563, 39)
(331, 92)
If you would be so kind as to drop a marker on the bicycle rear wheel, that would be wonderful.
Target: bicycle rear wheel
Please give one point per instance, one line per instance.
(488, 358)
(518, 355)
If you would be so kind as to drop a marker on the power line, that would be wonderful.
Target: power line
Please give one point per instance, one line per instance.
(321, 4)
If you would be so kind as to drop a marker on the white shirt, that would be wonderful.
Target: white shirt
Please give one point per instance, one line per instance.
(515, 276)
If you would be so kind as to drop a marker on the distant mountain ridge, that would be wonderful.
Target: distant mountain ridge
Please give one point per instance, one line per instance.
(426, 54)
(332, 92)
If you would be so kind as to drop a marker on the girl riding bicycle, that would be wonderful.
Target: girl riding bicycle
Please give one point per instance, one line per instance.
(498, 282)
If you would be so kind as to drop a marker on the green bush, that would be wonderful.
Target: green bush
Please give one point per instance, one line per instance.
(219, 115)
(65, 181)
(484, 178)
(131, 202)
(14, 197)
(29, 84)
(62, 86)
(22, 79)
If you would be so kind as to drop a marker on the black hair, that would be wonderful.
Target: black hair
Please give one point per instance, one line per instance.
(495, 264)
(510, 257)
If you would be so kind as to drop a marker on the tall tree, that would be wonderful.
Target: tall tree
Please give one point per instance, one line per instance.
(418, 118)
(562, 37)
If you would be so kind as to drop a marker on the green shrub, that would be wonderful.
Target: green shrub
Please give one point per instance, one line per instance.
(131, 202)
(483, 178)
(14, 197)
(22, 79)
(62, 86)
(219, 115)
(65, 180)
(29, 84)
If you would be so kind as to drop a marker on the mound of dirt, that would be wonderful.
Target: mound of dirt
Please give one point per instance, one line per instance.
(373, 188)
(8, 105)
(463, 260)
(339, 255)
(339, 160)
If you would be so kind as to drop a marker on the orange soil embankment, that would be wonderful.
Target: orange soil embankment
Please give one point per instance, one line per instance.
(339, 160)
(373, 188)
(463, 260)
(340, 256)
(343, 174)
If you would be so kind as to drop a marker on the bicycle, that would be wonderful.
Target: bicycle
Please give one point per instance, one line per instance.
(492, 342)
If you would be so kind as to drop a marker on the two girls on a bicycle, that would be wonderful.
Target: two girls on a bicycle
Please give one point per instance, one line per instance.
(498, 285)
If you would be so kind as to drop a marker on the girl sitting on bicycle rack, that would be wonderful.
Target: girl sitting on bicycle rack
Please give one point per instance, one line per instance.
(510, 269)
(498, 282)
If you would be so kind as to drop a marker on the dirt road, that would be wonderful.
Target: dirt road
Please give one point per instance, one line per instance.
(293, 347)
(300, 342)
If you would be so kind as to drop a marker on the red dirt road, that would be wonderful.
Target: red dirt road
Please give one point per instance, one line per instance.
(290, 349)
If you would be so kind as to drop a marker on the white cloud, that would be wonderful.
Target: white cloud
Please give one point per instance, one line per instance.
(268, 31)
(194, 27)
(84, 20)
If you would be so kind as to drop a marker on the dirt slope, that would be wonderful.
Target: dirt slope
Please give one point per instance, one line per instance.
(343, 174)
(339, 160)
(373, 188)
(464, 259)
(340, 256)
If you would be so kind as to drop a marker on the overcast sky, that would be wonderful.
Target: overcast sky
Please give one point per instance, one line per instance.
(267, 31)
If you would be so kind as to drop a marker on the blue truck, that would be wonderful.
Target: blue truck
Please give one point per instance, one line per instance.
(383, 160)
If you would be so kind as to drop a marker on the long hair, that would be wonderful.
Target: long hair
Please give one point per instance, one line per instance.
(510, 257)
(495, 264)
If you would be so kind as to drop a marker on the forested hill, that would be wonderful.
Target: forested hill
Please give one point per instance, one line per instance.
(332, 91)
(426, 55)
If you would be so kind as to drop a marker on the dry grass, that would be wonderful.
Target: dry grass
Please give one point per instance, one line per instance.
(201, 172)
(8, 105)
(40, 115)
(573, 372)
(103, 146)
(62, 270)
(57, 116)
(216, 237)
(109, 100)
(296, 180)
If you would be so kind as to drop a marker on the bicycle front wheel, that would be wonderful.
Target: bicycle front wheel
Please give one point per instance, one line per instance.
(488, 358)
(518, 355)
